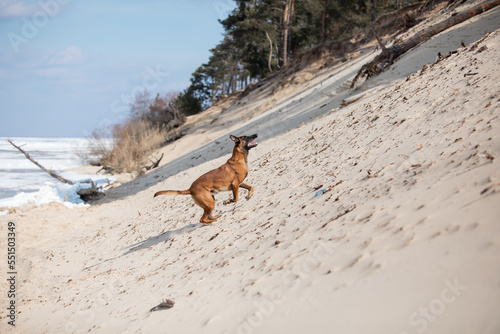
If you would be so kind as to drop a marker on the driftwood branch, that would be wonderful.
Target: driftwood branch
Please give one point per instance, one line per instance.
(390, 55)
(106, 169)
(86, 194)
(51, 173)
(89, 194)
(154, 163)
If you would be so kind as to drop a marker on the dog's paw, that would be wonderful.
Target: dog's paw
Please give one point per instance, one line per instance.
(229, 201)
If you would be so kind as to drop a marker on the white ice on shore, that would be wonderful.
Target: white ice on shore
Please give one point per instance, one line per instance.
(55, 192)
(33, 187)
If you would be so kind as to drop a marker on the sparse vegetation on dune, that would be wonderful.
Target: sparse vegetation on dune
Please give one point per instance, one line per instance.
(126, 147)
(132, 144)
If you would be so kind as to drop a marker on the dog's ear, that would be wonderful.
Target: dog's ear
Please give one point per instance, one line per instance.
(234, 138)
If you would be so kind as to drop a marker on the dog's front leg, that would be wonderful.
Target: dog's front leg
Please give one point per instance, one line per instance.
(249, 188)
(235, 196)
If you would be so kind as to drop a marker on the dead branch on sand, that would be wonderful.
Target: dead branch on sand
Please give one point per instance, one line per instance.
(51, 173)
(92, 193)
(390, 55)
(154, 163)
(85, 194)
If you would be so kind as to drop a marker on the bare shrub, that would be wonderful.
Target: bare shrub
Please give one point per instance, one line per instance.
(125, 147)
(162, 111)
(132, 143)
(98, 147)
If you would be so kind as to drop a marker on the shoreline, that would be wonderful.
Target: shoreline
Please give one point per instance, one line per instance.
(60, 154)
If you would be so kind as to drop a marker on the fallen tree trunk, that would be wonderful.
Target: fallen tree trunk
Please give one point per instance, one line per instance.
(390, 55)
(51, 173)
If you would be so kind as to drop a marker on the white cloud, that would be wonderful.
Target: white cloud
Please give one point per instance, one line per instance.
(69, 65)
(62, 76)
(68, 57)
(53, 72)
(13, 9)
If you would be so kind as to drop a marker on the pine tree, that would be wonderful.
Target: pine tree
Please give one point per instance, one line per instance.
(262, 36)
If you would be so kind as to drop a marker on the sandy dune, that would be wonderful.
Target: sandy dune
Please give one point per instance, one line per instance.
(378, 217)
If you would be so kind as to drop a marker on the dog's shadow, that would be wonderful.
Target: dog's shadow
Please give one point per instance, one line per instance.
(152, 241)
(161, 238)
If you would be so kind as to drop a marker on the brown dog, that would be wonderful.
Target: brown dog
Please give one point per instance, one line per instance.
(227, 177)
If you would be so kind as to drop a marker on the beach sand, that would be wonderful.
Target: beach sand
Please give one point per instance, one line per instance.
(378, 217)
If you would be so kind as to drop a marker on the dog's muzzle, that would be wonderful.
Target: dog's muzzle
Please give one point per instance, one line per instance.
(251, 141)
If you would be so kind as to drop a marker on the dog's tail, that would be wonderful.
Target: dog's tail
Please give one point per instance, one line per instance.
(173, 192)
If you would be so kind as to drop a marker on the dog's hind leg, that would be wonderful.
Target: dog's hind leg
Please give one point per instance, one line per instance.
(206, 201)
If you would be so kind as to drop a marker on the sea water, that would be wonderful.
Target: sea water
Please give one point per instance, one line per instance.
(21, 181)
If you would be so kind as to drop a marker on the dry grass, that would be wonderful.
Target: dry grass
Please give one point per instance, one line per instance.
(129, 148)
(98, 147)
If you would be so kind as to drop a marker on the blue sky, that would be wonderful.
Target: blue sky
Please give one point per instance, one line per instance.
(68, 67)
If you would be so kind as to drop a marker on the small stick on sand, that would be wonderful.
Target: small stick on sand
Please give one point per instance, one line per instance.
(166, 304)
